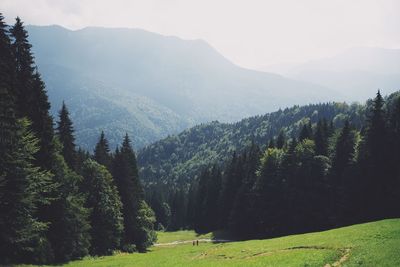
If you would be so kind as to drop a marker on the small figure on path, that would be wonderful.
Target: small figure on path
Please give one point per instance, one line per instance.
(193, 242)
(197, 242)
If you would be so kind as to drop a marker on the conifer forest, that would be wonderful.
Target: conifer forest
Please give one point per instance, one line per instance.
(75, 184)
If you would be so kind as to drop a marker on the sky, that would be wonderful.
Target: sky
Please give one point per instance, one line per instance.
(251, 33)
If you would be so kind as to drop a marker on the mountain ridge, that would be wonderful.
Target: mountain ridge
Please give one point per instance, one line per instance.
(187, 82)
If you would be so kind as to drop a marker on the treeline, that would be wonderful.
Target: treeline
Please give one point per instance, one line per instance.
(327, 176)
(177, 159)
(57, 202)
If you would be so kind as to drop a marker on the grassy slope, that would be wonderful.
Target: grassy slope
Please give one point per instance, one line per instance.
(370, 244)
(185, 235)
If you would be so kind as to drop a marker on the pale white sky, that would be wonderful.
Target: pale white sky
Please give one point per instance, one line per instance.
(251, 33)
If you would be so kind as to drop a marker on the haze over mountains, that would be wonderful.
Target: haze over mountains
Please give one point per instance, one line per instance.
(149, 85)
(356, 73)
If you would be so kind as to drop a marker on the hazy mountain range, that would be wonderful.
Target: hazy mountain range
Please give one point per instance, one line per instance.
(356, 73)
(149, 85)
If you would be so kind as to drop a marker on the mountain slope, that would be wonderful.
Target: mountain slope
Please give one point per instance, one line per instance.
(179, 158)
(356, 73)
(367, 244)
(143, 73)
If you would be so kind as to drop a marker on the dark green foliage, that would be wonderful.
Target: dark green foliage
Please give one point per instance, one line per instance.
(44, 215)
(178, 160)
(106, 217)
(243, 214)
(102, 152)
(125, 173)
(342, 178)
(333, 177)
(21, 191)
(306, 132)
(69, 229)
(206, 204)
(178, 210)
(31, 98)
(322, 134)
(66, 136)
(161, 209)
(281, 140)
(231, 182)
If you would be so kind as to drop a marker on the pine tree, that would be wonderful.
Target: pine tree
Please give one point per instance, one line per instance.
(231, 182)
(69, 229)
(32, 101)
(21, 191)
(106, 218)
(374, 162)
(306, 132)
(7, 95)
(242, 220)
(126, 175)
(342, 182)
(66, 136)
(102, 151)
(394, 158)
(280, 141)
(321, 138)
(24, 68)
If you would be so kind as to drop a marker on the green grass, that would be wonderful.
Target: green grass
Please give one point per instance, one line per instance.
(370, 244)
(185, 235)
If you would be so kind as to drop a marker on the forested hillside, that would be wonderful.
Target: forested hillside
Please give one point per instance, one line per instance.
(179, 158)
(313, 168)
(149, 85)
(56, 202)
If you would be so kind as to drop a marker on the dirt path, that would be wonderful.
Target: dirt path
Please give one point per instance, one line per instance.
(191, 241)
(338, 263)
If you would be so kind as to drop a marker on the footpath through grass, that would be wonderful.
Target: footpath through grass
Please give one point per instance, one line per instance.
(370, 244)
(184, 235)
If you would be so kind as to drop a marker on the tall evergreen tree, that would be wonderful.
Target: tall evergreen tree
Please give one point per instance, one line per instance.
(306, 132)
(106, 217)
(373, 162)
(231, 182)
(125, 172)
(102, 151)
(321, 138)
(342, 182)
(281, 140)
(69, 218)
(32, 101)
(66, 136)
(22, 185)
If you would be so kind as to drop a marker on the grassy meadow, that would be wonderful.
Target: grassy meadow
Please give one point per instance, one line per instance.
(369, 244)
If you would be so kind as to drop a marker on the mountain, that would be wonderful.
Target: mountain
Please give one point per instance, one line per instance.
(178, 159)
(149, 85)
(356, 73)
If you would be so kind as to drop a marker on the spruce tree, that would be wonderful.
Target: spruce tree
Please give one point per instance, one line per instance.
(321, 138)
(106, 218)
(374, 162)
(22, 186)
(280, 141)
(126, 175)
(342, 182)
(32, 101)
(306, 132)
(69, 229)
(102, 151)
(66, 137)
